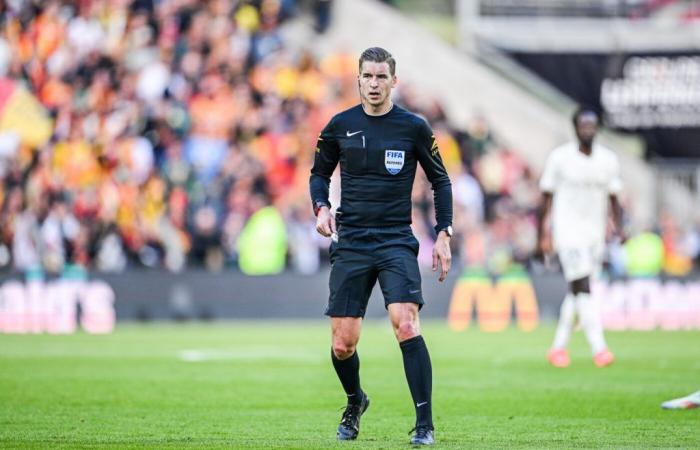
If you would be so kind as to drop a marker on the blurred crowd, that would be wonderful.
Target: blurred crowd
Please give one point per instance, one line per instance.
(181, 134)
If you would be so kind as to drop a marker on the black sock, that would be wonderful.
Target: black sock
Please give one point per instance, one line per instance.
(419, 374)
(348, 371)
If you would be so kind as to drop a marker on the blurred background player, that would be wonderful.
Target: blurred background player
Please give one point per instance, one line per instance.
(578, 181)
(690, 401)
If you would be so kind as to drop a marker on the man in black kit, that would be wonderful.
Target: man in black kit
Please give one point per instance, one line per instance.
(379, 145)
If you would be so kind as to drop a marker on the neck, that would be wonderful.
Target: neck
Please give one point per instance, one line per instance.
(585, 149)
(377, 110)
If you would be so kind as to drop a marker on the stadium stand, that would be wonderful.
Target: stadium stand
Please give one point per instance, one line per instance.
(576, 8)
(173, 123)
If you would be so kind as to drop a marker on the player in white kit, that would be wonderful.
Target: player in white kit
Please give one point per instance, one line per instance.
(579, 180)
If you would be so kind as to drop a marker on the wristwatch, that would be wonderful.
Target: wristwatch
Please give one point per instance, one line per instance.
(448, 230)
(318, 204)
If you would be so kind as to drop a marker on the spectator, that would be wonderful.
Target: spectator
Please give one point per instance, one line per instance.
(175, 122)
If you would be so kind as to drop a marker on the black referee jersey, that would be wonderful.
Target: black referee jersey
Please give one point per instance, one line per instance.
(378, 157)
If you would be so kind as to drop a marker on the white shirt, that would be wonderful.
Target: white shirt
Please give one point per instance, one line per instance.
(581, 185)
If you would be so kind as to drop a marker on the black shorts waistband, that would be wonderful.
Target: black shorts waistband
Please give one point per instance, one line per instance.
(387, 228)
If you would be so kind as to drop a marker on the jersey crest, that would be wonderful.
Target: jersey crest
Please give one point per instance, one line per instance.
(393, 161)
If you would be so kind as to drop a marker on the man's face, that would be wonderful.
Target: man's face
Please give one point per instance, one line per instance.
(376, 82)
(586, 128)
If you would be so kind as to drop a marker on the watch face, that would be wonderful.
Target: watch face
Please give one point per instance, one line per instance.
(449, 230)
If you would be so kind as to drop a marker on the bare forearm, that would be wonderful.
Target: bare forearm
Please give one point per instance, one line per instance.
(617, 214)
(543, 214)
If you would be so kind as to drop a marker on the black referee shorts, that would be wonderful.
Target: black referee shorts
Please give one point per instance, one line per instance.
(363, 255)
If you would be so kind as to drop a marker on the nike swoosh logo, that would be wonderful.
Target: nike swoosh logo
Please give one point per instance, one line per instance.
(418, 405)
(348, 134)
(413, 292)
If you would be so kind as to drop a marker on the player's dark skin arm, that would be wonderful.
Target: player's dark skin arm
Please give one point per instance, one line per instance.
(617, 215)
(544, 239)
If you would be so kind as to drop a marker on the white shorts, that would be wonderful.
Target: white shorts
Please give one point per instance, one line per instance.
(580, 261)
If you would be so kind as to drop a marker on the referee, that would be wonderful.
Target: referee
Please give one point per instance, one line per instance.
(379, 146)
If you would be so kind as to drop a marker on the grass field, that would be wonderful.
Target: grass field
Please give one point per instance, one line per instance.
(267, 385)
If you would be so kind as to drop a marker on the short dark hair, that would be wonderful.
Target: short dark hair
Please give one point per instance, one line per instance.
(581, 110)
(378, 54)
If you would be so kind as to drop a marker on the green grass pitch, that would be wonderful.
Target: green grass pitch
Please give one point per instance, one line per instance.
(271, 385)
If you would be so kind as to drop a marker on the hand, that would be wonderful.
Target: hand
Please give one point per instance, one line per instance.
(622, 236)
(544, 247)
(325, 222)
(442, 255)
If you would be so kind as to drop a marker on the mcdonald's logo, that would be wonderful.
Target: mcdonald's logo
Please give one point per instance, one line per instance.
(494, 302)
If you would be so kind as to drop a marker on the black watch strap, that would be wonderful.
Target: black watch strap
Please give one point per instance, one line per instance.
(318, 204)
(448, 230)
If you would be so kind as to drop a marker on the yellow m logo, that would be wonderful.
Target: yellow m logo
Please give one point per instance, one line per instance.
(494, 303)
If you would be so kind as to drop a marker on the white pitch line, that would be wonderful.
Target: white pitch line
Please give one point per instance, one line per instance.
(250, 354)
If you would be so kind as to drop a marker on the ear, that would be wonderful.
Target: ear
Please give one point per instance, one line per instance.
(394, 80)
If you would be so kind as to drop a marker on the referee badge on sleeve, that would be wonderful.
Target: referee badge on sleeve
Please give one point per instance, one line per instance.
(393, 161)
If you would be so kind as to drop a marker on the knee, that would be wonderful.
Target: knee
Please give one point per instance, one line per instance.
(406, 330)
(343, 349)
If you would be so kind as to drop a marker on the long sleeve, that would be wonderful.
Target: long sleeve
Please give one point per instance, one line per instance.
(325, 161)
(431, 162)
